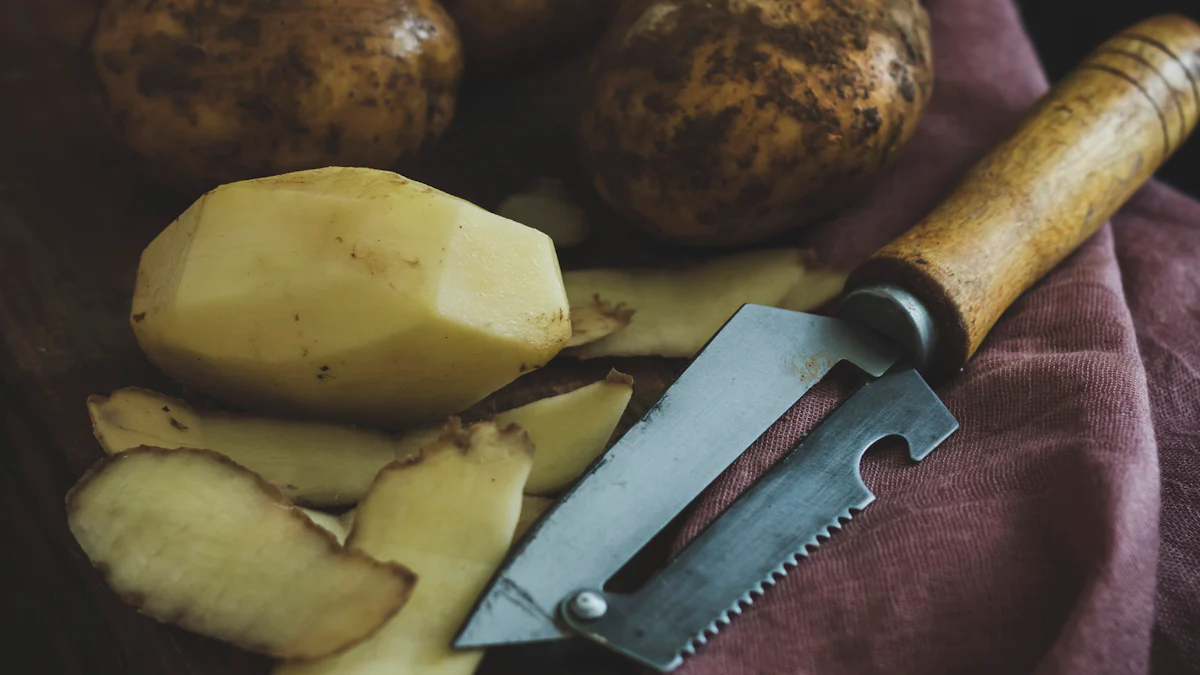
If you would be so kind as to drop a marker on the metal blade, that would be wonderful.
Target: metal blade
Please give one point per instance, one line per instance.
(751, 372)
(790, 510)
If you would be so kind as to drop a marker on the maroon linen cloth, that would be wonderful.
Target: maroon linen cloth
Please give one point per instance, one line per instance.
(1032, 540)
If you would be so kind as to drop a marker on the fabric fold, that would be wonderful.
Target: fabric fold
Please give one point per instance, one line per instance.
(1029, 541)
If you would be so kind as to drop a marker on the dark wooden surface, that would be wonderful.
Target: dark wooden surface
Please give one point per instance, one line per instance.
(75, 212)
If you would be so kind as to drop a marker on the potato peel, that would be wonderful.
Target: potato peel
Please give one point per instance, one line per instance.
(532, 508)
(317, 464)
(451, 515)
(570, 430)
(192, 538)
(346, 521)
(335, 525)
(312, 463)
(676, 311)
(597, 319)
(819, 286)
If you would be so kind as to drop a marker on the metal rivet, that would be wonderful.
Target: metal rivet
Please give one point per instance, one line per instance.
(587, 606)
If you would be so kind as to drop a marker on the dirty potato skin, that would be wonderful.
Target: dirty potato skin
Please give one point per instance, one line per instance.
(727, 122)
(216, 91)
(500, 36)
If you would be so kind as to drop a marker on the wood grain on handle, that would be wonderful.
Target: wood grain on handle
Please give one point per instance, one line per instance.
(1078, 155)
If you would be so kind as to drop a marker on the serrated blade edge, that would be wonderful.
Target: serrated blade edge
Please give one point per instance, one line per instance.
(748, 598)
(751, 372)
(791, 509)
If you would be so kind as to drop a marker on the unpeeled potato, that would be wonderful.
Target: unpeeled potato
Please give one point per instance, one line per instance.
(214, 92)
(723, 122)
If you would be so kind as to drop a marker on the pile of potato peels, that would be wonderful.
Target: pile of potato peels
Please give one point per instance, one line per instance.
(343, 516)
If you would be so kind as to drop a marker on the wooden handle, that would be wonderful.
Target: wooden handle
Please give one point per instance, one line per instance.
(1078, 155)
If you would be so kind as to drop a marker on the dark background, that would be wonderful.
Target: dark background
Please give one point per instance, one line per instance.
(1064, 31)
(63, 338)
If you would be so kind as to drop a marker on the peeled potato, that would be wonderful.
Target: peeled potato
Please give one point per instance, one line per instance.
(331, 465)
(351, 295)
(674, 312)
(450, 515)
(192, 538)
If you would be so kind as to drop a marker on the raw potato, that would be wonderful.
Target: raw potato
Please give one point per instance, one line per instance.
(449, 515)
(548, 208)
(192, 538)
(675, 312)
(506, 36)
(212, 92)
(597, 319)
(721, 122)
(572, 428)
(311, 463)
(350, 295)
(329, 465)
